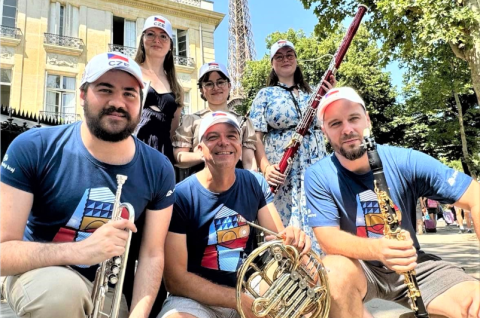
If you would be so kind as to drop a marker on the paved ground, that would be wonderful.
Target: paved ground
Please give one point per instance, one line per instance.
(462, 249)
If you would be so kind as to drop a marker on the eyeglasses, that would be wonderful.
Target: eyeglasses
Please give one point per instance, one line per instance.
(150, 36)
(280, 57)
(220, 84)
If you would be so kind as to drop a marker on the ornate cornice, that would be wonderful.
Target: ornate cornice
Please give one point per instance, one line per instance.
(174, 9)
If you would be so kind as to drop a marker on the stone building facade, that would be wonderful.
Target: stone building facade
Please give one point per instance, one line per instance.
(45, 45)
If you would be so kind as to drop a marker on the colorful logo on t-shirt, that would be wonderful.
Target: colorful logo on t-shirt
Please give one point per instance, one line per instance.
(369, 220)
(227, 239)
(94, 209)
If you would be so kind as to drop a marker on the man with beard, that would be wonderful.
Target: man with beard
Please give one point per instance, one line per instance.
(346, 220)
(58, 188)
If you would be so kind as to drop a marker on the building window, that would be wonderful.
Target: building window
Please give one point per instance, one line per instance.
(9, 13)
(186, 103)
(180, 43)
(61, 29)
(5, 83)
(63, 20)
(60, 99)
(124, 32)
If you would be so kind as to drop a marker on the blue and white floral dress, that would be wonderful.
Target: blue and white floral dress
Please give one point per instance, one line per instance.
(274, 113)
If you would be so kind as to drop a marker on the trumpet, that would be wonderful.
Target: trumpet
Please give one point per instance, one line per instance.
(112, 271)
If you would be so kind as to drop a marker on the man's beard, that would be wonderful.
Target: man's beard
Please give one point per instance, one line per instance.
(352, 153)
(94, 124)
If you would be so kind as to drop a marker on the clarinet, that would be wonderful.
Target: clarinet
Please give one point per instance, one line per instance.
(291, 148)
(392, 217)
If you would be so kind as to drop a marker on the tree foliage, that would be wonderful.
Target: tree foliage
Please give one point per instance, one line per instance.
(431, 115)
(411, 30)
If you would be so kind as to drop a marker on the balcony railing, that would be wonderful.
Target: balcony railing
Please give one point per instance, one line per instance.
(127, 50)
(185, 61)
(10, 32)
(195, 3)
(65, 118)
(131, 51)
(61, 40)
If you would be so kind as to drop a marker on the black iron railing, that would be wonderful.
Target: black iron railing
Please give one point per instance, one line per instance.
(131, 51)
(64, 118)
(183, 60)
(127, 50)
(10, 32)
(61, 40)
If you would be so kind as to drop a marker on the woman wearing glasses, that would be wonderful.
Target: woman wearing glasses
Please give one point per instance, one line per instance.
(164, 99)
(214, 85)
(275, 113)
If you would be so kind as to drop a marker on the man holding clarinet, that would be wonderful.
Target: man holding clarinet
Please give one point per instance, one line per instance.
(345, 213)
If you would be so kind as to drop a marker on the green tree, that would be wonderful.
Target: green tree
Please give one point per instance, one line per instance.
(359, 69)
(440, 105)
(410, 30)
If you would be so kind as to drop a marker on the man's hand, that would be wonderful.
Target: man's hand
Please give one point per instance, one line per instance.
(296, 237)
(399, 256)
(247, 303)
(107, 241)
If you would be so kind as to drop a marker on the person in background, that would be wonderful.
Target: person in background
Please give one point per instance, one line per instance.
(275, 113)
(164, 99)
(463, 215)
(214, 85)
(432, 209)
(420, 210)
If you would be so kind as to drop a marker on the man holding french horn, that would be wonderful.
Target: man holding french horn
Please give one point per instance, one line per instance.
(60, 187)
(210, 233)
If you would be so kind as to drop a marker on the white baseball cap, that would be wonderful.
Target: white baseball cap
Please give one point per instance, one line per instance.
(278, 45)
(335, 94)
(213, 67)
(102, 63)
(217, 118)
(157, 21)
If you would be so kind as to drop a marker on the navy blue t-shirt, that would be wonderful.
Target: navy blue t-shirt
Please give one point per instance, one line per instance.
(339, 197)
(73, 192)
(218, 239)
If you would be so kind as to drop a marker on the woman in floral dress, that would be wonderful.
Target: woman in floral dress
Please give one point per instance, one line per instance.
(275, 113)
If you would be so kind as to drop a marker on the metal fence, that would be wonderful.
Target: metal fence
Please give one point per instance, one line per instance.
(61, 40)
(10, 32)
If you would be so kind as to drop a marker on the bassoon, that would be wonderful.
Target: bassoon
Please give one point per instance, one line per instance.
(392, 217)
(291, 148)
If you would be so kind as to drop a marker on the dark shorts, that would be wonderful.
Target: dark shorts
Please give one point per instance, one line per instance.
(434, 277)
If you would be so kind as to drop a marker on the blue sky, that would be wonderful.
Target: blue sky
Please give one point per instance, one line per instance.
(268, 16)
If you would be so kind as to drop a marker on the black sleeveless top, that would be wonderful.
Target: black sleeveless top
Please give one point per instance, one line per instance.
(154, 127)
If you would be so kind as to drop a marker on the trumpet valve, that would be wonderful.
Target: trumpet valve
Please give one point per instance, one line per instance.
(117, 260)
(112, 279)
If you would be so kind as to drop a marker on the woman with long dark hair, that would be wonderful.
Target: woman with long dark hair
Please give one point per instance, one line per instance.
(275, 113)
(164, 99)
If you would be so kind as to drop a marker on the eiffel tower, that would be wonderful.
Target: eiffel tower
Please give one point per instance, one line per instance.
(240, 46)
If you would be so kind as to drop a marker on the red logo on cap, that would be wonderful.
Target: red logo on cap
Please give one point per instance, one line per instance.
(331, 93)
(213, 65)
(159, 20)
(117, 57)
